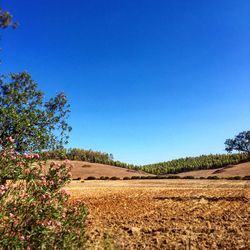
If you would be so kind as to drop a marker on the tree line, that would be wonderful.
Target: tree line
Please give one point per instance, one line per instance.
(169, 167)
(202, 162)
(77, 154)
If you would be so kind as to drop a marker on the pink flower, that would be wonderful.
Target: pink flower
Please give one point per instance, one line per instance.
(12, 157)
(15, 222)
(3, 189)
(21, 237)
(65, 192)
(36, 156)
(27, 171)
(11, 139)
(28, 156)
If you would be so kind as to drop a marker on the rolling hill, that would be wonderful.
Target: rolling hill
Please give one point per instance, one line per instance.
(85, 169)
(241, 169)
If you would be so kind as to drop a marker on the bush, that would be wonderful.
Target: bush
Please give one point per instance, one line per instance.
(104, 178)
(234, 178)
(90, 178)
(35, 210)
(114, 178)
(77, 179)
(202, 178)
(143, 177)
(135, 177)
(188, 177)
(126, 178)
(247, 177)
(213, 177)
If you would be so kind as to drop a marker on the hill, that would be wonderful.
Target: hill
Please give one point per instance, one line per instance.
(241, 169)
(203, 162)
(85, 169)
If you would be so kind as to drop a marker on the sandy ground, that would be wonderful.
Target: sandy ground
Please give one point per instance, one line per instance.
(166, 214)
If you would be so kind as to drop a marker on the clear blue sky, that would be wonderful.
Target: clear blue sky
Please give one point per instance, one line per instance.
(147, 80)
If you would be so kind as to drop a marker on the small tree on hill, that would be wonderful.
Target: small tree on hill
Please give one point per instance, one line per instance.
(240, 143)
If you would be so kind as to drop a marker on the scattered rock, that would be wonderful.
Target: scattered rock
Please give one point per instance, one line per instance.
(135, 231)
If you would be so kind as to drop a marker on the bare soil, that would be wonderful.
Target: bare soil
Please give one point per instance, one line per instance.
(166, 214)
(84, 169)
(242, 169)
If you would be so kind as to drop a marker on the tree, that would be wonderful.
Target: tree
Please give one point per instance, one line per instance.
(241, 143)
(6, 20)
(34, 123)
(35, 213)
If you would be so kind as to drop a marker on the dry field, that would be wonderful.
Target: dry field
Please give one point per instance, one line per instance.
(166, 214)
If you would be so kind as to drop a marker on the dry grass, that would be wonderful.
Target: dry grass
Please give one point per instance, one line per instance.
(166, 214)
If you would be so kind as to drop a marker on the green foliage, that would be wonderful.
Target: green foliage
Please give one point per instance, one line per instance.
(78, 154)
(195, 163)
(35, 212)
(29, 119)
(241, 143)
(162, 168)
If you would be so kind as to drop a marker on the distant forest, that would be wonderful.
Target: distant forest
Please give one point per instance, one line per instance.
(211, 161)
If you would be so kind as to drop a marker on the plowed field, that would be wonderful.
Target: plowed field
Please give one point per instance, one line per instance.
(166, 214)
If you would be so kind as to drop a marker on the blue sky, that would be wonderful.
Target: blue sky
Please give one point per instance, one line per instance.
(147, 80)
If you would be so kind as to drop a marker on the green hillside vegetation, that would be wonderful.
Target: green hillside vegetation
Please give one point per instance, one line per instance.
(195, 163)
(169, 167)
(76, 154)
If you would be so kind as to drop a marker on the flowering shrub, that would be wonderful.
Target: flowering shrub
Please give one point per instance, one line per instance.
(35, 212)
